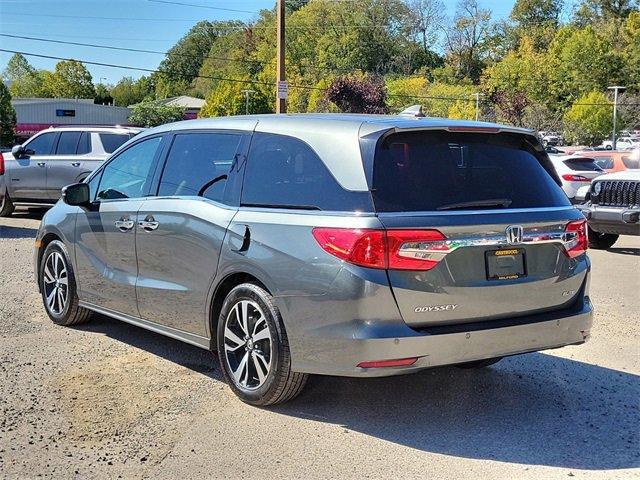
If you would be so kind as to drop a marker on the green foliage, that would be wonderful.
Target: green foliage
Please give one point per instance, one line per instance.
(589, 120)
(227, 98)
(7, 117)
(537, 20)
(24, 80)
(103, 97)
(154, 113)
(70, 79)
(129, 91)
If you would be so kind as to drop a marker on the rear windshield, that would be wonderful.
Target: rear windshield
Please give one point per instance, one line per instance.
(426, 171)
(111, 141)
(583, 164)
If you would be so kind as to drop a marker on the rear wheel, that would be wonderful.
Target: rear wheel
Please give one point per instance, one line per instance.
(479, 363)
(58, 287)
(254, 350)
(6, 206)
(601, 241)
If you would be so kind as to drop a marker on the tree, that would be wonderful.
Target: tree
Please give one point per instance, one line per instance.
(70, 79)
(7, 117)
(592, 11)
(228, 99)
(428, 18)
(129, 91)
(537, 20)
(466, 41)
(511, 106)
(103, 97)
(589, 119)
(23, 79)
(154, 113)
(358, 94)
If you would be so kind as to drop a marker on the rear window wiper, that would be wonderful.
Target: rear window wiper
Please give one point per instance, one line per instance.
(490, 203)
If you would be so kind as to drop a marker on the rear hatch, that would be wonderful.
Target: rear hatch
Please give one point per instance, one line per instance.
(581, 169)
(478, 227)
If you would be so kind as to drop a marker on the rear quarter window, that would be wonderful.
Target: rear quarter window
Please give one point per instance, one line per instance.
(111, 141)
(284, 172)
(631, 163)
(430, 171)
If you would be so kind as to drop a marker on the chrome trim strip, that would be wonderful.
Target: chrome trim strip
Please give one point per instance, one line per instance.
(186, 337)
(438, 249)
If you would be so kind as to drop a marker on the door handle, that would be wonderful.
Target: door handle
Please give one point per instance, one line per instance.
(75, 164)
(124, 225)
(41, 164)
(148, 224)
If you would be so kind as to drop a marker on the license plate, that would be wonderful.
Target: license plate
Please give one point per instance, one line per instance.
(508, 264)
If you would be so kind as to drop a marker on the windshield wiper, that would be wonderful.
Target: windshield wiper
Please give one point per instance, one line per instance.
(490, 203)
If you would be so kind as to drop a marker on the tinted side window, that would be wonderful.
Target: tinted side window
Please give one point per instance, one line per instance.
(128, 174)
(43, 144)
(198, 164)
(604, 162)
(68, 143)
(285, 172)
(631, 163)
(111, 141)
(84, 145)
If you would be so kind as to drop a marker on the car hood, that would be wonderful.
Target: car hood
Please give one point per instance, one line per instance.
(623, 175)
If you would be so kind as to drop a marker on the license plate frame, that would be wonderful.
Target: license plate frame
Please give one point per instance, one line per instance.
(496, 264)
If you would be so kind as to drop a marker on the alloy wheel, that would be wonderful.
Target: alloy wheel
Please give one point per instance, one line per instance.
(55, 283)
(247, 345)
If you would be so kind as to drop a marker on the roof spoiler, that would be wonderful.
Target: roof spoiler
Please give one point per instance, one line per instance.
(412, 111)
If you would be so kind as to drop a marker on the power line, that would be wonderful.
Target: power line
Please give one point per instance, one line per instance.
(126, 49)
(184, 4)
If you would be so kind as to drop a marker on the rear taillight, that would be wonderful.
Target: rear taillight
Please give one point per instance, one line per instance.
(1, 164)
(576, 241)
(392, 249)
(575, 178)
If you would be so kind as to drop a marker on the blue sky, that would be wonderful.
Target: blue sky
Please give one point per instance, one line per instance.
(143, 24)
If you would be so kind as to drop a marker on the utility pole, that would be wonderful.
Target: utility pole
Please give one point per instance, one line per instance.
(615, 113)
(281, 94)
(246, 100)
(477, 95)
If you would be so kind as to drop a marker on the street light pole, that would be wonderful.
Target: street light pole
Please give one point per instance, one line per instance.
(246, 100)
(281, 103)
(477, 95)
(615, 113)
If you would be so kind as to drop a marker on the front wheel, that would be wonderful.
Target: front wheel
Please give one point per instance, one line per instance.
(254, 350)
(58, 287)
(601, 241)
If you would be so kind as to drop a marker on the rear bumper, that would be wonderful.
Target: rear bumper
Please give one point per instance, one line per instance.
(361, 343)
(616, 220)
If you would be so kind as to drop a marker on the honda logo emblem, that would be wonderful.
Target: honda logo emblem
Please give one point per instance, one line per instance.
(514, 234)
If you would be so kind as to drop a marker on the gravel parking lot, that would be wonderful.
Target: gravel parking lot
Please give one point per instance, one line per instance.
(109, 400)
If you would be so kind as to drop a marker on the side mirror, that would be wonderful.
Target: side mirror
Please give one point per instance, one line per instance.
(18, 151)
(76, 194)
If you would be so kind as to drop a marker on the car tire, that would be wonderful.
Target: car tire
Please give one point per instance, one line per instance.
(479, 363)
(601, 241)
(58, 287)
(251, 340)
(6, 206)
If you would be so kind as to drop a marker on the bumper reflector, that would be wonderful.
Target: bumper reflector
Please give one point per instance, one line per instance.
(401, 362)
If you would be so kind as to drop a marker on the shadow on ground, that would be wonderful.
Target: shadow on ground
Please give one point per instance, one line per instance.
(8, 231)
(533, 409)
(625, 250)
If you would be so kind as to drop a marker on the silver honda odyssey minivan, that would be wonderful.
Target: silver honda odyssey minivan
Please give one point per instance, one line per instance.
(349, 245)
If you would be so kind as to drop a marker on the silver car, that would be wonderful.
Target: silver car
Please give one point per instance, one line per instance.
(34, 173)
(346, 245)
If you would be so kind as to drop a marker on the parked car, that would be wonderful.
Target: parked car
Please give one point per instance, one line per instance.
(575, 172)
(612, 207)
(348, 245)
(552, 139)
(551, 150)
(613, 161)
(622, 143)
(34, 173)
